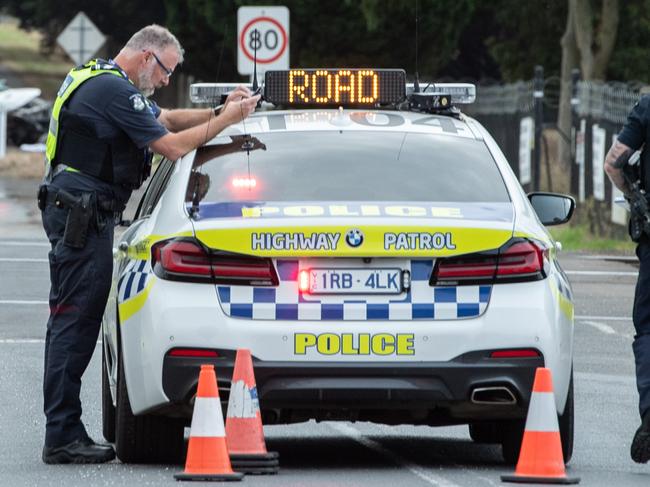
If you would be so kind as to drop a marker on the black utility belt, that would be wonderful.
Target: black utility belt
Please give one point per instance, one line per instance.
(63, 199)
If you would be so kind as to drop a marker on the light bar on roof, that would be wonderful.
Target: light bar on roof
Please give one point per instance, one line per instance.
(461, 93)
(210, 92)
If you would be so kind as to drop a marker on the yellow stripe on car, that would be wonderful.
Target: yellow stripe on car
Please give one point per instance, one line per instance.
(131, 306)
(411, 241)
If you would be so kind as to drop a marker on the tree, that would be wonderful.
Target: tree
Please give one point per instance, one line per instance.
(344, 33)
(117, 19)
(522, 35)
(587, 43)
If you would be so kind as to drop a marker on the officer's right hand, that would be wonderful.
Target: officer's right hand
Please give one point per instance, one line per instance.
(236, 111)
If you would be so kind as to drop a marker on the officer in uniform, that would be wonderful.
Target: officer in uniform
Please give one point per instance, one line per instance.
(635, 134)
(98, 150)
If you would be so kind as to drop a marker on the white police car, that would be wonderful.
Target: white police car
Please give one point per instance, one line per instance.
(373, 250)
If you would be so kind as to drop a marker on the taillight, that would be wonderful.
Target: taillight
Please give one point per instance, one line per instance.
(187, 260)
(518, 260)
(181, 258)
(521, 259)
(244, 270)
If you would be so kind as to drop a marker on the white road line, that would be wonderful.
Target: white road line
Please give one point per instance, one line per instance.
(614, 379)
(603, 318)
(415, 469)
(608, 330)
(21, 341)
(602, 273)
(23, 244)
(20, 259)
(18, 301)
(27, 341)
(601, 327)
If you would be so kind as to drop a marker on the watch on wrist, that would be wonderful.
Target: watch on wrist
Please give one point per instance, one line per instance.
(217, 110)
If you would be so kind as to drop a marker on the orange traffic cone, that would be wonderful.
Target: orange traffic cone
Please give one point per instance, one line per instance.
(540, 458)
(244, 432)
(207, 454)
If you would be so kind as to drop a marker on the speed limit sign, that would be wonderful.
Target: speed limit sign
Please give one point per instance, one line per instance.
(262, 32)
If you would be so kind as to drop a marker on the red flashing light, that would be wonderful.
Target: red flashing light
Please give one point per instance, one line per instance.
(303, 281)
(244, 182)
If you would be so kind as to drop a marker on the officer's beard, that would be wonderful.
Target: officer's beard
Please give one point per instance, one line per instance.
(145, 80)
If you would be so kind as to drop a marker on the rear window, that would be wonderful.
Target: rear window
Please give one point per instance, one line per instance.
(346, 166)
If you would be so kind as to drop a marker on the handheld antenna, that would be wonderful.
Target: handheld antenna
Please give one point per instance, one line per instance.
(255, 86)
(416, 85)
(194, 209)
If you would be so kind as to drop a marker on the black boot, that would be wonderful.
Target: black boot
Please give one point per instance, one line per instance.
(640, 449)
(79, 451)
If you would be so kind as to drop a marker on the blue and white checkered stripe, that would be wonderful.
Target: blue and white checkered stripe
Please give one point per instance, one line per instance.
(421, 302)
(133, 280)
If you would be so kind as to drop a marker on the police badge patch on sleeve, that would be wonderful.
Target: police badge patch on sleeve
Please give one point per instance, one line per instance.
(137, 102)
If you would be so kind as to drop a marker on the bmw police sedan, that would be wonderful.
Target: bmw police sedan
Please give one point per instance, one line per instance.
(371, 246)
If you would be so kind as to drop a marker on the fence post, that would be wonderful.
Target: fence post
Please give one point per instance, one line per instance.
(538, 98)
(575, 102)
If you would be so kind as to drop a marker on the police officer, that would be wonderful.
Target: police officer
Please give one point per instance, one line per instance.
(98, 150)
(635, 134)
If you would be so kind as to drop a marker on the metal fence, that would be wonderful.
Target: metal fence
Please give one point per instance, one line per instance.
(599, 111)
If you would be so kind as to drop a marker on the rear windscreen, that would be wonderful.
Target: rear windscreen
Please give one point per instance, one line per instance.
(345, 166)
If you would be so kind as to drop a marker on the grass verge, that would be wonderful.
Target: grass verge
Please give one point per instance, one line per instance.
(577, 238)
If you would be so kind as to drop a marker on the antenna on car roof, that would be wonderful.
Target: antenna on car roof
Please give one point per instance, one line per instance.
(255, 85)
(416, 85)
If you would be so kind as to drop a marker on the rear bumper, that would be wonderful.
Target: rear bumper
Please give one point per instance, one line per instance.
(392, 392)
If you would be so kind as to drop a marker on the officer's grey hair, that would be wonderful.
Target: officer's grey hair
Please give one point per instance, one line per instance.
(156, 38)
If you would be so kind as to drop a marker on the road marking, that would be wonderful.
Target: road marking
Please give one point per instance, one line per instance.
(602, 273)
(615, 379)
(601, 327)
(27, 341)
(18, 301)
(20, 259)
(603, 318)
(608, 330)
(415, 469)
(23, 244)
(21, 341)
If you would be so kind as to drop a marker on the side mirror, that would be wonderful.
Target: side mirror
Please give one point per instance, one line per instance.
(552, 208)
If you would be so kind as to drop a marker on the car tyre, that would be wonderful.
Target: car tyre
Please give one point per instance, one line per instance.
(145, 438)
(566, 423)
(486, 432)
(513, 432)
(108, 409)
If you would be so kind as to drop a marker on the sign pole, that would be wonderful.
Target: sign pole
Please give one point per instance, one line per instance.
(3, 132)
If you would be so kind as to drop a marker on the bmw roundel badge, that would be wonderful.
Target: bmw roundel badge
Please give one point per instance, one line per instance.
(354, 237)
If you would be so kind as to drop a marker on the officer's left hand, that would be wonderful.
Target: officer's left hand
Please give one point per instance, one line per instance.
(238, 94)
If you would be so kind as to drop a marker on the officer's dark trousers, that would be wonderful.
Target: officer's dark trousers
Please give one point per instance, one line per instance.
(80, 283)
(641, 317)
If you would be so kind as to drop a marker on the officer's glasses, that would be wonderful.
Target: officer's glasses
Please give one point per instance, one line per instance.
(167, 71)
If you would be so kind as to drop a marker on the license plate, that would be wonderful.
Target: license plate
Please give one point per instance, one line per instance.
(355, 281)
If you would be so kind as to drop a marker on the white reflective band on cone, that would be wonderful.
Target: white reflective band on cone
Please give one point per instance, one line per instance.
(241, 404)
(207, 418)
(541, 413)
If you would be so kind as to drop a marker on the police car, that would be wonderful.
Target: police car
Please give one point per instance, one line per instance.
(369, 244)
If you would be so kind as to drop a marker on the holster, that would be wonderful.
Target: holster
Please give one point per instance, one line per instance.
(82, 209)
(41, 197)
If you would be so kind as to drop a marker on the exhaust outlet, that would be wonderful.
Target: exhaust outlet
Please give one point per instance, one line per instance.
(499, 395)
